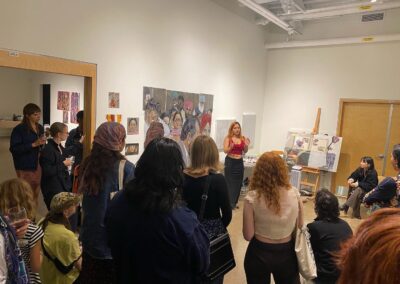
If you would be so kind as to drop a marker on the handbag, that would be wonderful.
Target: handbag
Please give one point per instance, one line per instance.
(304, 252)
(222, 259)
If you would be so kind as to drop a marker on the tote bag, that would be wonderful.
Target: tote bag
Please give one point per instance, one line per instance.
(303, 249)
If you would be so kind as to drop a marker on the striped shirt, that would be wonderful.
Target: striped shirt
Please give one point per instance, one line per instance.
(32, 236)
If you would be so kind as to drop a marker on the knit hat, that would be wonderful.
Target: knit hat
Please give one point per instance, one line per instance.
(64, 200)
(110, 135)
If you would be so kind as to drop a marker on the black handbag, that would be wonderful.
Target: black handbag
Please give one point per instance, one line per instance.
(222, 259)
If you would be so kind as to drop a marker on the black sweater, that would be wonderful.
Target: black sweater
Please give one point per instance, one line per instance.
(218, 199)
(367, 181)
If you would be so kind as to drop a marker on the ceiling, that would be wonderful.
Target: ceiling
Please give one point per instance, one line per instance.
(294, 20)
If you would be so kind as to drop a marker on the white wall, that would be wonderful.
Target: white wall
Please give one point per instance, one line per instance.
(300, 80)
(186, 45)
(15, 91)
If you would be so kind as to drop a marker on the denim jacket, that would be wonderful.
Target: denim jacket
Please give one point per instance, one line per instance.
(93, 232)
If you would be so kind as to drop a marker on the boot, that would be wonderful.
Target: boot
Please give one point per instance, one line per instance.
(344, 208)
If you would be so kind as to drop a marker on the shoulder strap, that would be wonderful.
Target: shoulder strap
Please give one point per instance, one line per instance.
(121, 174)
(58, 264)
(300, 218)
(204, 198)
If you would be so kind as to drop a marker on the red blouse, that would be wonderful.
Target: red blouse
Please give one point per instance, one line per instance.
(237, 149)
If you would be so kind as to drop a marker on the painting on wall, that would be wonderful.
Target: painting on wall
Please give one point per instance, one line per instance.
(65, 116)
(75, 100)
(183, 115)
(132, 149)
(173, 108)
(113, 100)
(114, 118)
(63, 101)
(132, 125)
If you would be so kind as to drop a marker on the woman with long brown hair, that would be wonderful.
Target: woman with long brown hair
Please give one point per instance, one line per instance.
(235, 146)
(372, 255)
(99, 180)
(271, 208)
(205, 171)
(25, 144)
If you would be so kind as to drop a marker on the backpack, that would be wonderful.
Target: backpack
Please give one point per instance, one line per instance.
(15, 263)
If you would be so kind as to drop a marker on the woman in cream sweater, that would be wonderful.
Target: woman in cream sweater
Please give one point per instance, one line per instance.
(271, 208)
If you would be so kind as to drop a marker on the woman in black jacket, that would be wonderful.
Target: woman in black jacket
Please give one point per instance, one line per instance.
(203, 172)
(55, 162)
(361, 181)
(26, 141)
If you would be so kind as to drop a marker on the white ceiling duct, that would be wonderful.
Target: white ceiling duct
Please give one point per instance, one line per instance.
(355, 8)
(334, 41)
(267, 14)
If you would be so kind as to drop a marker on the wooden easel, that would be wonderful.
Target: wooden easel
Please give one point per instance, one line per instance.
(311, 178)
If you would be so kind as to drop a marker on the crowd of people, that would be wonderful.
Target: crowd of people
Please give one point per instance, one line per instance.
(146, 223)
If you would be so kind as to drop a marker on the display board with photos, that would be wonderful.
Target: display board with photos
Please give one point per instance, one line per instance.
(319, 151)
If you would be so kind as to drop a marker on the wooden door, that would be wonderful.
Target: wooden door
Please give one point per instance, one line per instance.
(393, 139)
(363, 127)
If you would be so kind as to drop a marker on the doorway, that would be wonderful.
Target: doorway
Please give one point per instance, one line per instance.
(369, 128)
(28, 61)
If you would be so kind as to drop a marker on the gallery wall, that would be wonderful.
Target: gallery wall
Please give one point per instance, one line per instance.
(300, 80)
(185, 45)
(15, 91)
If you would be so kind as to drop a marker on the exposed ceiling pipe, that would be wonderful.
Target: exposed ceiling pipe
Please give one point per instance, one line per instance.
(267, 14)
(339, 11)
(334, 41)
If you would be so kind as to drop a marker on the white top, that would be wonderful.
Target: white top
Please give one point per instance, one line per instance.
(267, 223)
(3, 264)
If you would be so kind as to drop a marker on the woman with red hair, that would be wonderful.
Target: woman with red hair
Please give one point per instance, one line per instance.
(271, 208)
(373, 254)
(235, 146)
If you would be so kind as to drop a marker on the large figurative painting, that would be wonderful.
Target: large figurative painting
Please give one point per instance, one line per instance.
(183, 115)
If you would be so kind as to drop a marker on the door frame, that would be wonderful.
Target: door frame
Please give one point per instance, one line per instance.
(43, 63)
(339, 126)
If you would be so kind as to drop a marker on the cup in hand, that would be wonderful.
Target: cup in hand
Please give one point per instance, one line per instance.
(17, 217)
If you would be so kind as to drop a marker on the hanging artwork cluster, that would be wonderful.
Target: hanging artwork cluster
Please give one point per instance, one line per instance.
(132, 123)
(66, 105)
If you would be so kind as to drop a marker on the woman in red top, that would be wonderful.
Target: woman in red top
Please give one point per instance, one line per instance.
(235, 146)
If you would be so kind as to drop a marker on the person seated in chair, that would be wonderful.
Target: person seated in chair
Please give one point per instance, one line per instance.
(385, 194)
(361, 181)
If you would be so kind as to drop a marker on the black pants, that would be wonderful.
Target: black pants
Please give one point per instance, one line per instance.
(96, 271)
(262, 259)
(234, 170)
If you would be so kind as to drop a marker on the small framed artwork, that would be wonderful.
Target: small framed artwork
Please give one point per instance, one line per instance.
(132, 149)
(114, 118)
(113, 100)
(132, 125)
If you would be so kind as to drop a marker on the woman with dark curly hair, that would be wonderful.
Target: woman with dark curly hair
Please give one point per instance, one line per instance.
(99, 180)
(327, 232)
(154, 238)
(271, 208)
(372, 255)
